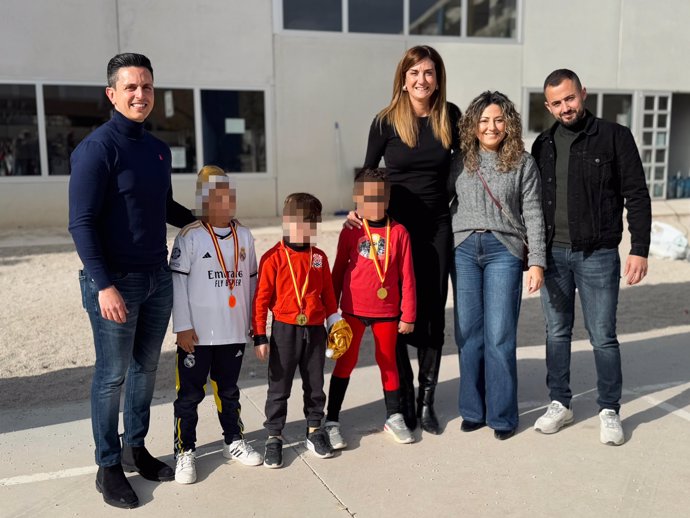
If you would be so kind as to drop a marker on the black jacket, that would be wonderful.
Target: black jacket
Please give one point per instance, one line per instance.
(604, 174)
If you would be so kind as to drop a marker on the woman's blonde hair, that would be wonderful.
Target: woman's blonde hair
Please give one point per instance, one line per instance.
(509, 150)
(399, 112)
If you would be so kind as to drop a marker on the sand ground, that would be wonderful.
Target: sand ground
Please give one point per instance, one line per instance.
(46, 348)
(46, 358)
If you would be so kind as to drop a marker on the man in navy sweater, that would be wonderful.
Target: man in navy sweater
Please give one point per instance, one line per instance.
(120, 198)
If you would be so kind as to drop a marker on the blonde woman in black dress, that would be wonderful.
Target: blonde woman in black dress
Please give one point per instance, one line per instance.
(416, 135)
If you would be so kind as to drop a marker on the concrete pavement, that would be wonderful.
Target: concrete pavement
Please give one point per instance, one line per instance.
(48, 470)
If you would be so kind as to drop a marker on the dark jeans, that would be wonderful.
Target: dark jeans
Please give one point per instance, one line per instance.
(223, 364)
(596, 276)
(488, 290)
(291, 347)
(126, 351)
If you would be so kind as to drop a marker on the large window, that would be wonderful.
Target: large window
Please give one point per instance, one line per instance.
(19, 149)
(614, 107)
(234, 130)
(382, 16)
(434, 18)
(458, 18)
(313, 15)
(72, 112)
(38, 133)
(172, 121)
(491, 18)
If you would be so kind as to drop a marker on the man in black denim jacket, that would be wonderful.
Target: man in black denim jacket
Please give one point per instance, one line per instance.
(590, 170)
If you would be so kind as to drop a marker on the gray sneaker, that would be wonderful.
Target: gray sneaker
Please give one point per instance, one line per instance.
(332, 428)
(395, 425)
(317, 442)
(556, 417)
(611, 429)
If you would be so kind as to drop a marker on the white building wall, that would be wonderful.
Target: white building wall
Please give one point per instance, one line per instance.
(65, 40)
(323, 80)
(582, 36)
(206, 43)
(314, 80)
(654, 45)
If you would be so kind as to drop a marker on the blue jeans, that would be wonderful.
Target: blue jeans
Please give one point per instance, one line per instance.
(596, 276)
(131, 349)
(488, 292)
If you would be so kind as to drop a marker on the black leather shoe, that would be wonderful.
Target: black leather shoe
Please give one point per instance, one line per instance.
(502, 435)
(138, 459)
(469, 426)
(429, 364)
(427, 416)
(114, 486)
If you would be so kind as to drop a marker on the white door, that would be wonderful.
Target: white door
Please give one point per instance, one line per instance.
(654, 136)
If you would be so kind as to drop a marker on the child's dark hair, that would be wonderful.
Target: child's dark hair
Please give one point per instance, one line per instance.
(367, 174)
(303, 202)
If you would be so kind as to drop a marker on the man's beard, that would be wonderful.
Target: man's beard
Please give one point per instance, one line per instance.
(575, 120)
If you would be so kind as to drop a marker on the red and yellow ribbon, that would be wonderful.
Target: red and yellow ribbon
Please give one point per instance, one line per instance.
(381, 273)
(300, 296)
(219, 254)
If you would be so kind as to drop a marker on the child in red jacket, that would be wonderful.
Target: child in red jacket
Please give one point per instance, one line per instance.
(373, 279)
(295, 285)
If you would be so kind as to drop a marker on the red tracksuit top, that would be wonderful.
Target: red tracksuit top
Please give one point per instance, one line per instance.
(355, 280)
(275, 290)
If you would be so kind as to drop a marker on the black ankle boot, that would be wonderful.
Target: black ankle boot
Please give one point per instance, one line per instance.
(112, 483)
(429, 363)
(137, 458)
(427, 415)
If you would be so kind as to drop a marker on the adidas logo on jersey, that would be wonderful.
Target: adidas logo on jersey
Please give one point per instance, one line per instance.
(206, 256)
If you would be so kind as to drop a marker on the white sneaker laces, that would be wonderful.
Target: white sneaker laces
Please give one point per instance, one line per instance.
(185, 459)
(611, 419)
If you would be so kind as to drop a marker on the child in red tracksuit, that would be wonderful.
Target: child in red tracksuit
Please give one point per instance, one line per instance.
(295, 285)
(373, 279)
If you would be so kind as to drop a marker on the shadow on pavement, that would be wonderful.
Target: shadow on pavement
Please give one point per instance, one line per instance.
(643, 365)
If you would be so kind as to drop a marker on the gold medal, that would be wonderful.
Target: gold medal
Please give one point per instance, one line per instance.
(382, 292)
(301, 317)
(230, 279)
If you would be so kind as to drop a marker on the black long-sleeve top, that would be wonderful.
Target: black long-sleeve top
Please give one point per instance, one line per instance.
(120, 197)
(418, 176)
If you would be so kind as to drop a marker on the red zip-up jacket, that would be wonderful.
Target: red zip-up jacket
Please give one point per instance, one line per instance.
(355, 279)
(275, 290)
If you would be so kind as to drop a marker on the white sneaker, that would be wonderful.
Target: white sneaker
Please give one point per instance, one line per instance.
(332, 428)
(611, 430)
(185, 468)
(243, 452)
(395, 425)
(556, 417)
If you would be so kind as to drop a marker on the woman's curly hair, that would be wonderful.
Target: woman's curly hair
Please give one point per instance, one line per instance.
(510, 149)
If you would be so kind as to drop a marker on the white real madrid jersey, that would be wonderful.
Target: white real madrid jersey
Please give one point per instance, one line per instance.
(201, 292)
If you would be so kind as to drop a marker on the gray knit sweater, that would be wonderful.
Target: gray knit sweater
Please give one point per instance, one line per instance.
(519, 191)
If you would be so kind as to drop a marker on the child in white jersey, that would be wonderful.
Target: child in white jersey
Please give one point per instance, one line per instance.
(214, 279)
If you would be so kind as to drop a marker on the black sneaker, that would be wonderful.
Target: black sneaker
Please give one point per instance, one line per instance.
(138, 459)
(115, 488)
(317, 442)
(273, 455)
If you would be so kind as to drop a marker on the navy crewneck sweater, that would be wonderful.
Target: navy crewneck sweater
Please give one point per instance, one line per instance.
(120, 197)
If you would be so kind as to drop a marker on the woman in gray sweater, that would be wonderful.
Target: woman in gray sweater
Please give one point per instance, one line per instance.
(489, 258)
